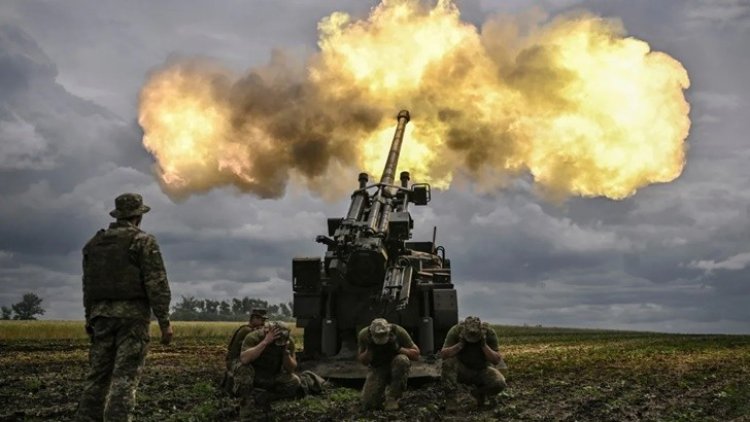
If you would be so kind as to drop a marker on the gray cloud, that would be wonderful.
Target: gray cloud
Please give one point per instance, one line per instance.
(731, 14)
(736, 262)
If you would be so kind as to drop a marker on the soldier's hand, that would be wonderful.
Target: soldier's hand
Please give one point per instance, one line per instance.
(166, 335)
(461, 343)
(271, 335)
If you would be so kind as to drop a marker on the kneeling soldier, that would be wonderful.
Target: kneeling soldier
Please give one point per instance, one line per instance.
(469, 355)
(257, 322)
(387, 349)
(268, 362)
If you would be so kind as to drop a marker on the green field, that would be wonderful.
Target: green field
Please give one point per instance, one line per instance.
(553, 375)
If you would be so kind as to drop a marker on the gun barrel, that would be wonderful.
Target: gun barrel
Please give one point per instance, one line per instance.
(389, 172)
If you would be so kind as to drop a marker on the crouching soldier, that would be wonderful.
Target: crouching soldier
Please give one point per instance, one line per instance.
(470, 354)
(387, 349)
(256, 322)
(267, 362)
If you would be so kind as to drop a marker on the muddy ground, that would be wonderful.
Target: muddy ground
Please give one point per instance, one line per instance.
(553, 375)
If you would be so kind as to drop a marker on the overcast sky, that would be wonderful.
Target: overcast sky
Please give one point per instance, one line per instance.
(674, 257)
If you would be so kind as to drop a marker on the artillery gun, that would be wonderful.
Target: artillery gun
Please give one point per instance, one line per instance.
(372, 270)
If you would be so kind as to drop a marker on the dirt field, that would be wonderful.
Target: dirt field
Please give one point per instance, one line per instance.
(553, 375)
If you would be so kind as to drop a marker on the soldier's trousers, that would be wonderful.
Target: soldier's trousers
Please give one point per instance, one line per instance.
(487, 381)
(118, 350)
(394, 376)
(281, 385)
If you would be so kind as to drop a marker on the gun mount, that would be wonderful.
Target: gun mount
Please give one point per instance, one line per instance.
(372, 270)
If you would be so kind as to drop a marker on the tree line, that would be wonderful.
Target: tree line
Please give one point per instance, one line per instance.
(190, 308)
(27, 309)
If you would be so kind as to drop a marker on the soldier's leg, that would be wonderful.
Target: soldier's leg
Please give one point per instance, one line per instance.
(400, 366)
(490, 382)
(244, 382)
(374, 389)
(286, 385)
(464, 375)
(101, 362)
(243, 377)
(132, 345)
(276, 387)
(399, 375)
(487, 383)
(449, 374)
(449, 382)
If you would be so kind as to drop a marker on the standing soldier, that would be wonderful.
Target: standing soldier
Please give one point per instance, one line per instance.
(387, 349)
(268, 362)
(470, 354)
(257, 319)
(123, 282)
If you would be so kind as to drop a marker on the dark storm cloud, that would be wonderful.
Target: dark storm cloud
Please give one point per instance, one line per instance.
(21, 60)
(513, 238)
(105, 52)
(674, 257)
(48, 135)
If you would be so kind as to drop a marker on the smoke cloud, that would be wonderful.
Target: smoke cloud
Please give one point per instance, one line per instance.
(573, 101)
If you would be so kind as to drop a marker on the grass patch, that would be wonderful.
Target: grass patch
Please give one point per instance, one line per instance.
(211, 332)
(553, 374)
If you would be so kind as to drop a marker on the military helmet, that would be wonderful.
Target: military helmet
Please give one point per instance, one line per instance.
(472, 331)
(129, 205)
(281, 328)
(259, 312)
(380, 331)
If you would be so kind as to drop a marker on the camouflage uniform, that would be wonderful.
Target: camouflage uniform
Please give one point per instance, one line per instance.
(235, 348)
(388, 368)
(266, 372)
(470, 367)
(119, 325)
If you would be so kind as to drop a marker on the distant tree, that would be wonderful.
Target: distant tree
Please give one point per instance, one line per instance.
(6, 312)
(188, 309)
(211, 307)
(248, 304)
(29, 306)
(224, 308)
(236, 306)
(188, 304)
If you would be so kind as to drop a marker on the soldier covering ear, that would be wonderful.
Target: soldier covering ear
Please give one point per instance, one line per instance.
(470, 354)
(387, 349)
